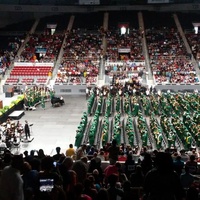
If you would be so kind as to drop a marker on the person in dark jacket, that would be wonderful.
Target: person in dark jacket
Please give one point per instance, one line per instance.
(162, 182)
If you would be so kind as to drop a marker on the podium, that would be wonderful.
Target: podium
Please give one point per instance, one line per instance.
(10, 92)
(1, 104)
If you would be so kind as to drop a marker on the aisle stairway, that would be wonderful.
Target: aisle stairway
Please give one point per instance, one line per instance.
(69, 27)
(149, 76)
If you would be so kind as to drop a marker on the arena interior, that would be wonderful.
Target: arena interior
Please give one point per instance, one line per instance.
(94, 72)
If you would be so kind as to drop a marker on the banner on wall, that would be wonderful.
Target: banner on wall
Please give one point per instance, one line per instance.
(30, 64)
(159, 1)
(89, 2)
(40, 50)
(124, 50)
(52, 26)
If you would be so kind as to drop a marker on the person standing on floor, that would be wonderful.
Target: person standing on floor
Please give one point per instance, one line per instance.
(27, 130)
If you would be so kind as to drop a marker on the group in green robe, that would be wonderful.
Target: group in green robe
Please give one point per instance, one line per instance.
(135, 107)
(143, 130)
(156, 131)
(129, 130)
(117, 128)
(176, 118)
(37, 94)
(90, 103)
(146, 104)
(105, 131)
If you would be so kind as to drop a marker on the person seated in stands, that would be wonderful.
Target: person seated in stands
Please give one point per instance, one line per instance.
(78, 194)
(70, 151)
(186, 178)
(162, 182)
(192, 165)
(95, 163)
(89, 189)
(113, 191)
(122, 157)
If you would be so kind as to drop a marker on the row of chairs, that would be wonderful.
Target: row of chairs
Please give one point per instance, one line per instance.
(27, 80)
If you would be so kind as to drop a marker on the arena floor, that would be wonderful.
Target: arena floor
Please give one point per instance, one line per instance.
(52, 127)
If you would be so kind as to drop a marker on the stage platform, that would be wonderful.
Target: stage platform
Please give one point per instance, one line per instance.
(27, 140)
(17, 114)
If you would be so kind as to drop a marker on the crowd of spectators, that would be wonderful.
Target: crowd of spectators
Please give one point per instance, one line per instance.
(78, 72)
(81, 57)
(194, 42)
(8, 52)
(41, 48)
(112, 173)
(124, 72)
(83, 51)
(131, 40)
(124, 63)
(5, 61)
(168, 57)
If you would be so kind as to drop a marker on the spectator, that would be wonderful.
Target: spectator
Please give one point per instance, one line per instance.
(78, 193)
(95, 163)
(98, 180)
(64, 168)
(57, 156)
(192, 164)
(30, 178)
(178, 165)
(102, 194)
(111, 169)
(48, 172)
(187, 178)
(146, 163)
(184, 156)
(192, 193)
(81, 151)
(162, 182)
(41, 154)
(89, 189)
(72, 182)
(91, 152)
(137, 177)
(95, 183)
(7, 159)
(122, 175)
(30, 157)
(101, 155)
(113, 191)
(80, 167)
(70, 151)
(11, 183)
(122, 157)
(113, 152)
(129, 165)
(129, 193)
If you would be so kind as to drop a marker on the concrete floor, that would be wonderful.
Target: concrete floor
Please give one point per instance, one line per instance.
(54, 126)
